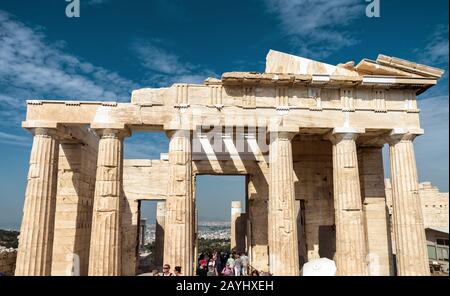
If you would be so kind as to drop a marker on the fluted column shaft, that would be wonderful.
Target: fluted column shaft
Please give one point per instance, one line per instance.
(105, 252)
(36, 234)
(350, 236)
(178, 234)
(238, 223)
(283, 245)
(410, 242)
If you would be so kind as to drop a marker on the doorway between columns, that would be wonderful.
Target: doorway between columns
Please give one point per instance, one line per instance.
(150, 242)
(220, 205)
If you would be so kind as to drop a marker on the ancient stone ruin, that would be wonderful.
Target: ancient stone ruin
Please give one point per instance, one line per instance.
(306, 135)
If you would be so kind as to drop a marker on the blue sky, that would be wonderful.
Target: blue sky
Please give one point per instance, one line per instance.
(116, 46)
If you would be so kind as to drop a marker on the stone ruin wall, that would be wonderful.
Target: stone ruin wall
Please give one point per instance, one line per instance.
(434, 206)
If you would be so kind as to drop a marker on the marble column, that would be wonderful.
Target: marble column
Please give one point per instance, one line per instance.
(159, 233)
(351, 247)
(376, 215)
(237, 227)
(105, 252)
(34, 256)
(410, 242)
(178, 234)
(283, 244)
(142, 231)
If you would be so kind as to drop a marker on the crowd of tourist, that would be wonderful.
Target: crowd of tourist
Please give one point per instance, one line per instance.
(167, 272)
(217, 264)
(224, 264)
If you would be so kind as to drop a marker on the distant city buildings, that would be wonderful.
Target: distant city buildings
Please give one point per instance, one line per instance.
(206, 229)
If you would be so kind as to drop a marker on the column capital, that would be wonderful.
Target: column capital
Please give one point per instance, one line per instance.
(287, 132)
(403, 135)
(42, 128)
(178, 132)
(343, 133)
(44, 131)
(111, 131)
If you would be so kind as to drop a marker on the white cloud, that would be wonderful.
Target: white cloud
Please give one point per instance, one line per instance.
(12, 139)
(157, 59)
(436, 50)
(166, 67)
(30, 67)
(317, 27)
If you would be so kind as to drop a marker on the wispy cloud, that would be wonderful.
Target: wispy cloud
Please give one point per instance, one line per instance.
(16, 140)
(436, 50)
(30, 67)
(316, 28)
(166, 67)
(157, 59)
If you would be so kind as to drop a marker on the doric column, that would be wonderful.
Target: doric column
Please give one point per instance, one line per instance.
(410, 243)
(237, 227)
(283, 245)
(350, 237)
(178, 234)
(105, 252)
(376, 215)
(36, 234)
(142, 230)
(159, 233)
